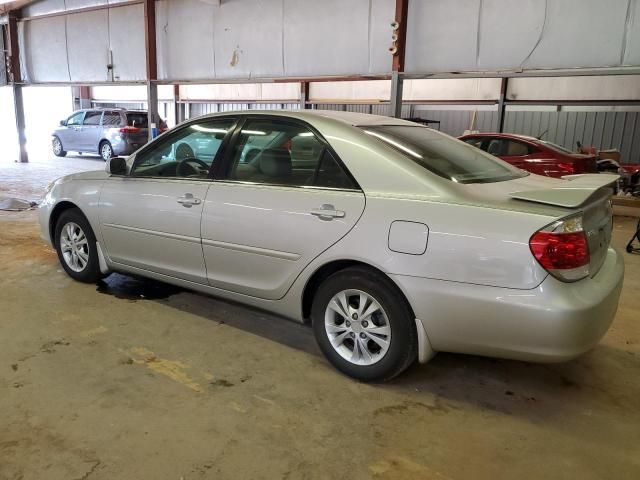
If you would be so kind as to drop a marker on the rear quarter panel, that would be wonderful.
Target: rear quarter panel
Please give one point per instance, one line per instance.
(478, 245)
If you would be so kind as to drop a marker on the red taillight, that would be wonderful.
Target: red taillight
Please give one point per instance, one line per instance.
(562, 249)
(129, 130)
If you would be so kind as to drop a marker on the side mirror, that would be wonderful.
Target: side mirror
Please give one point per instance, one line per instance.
(63, 123)
(117, 166)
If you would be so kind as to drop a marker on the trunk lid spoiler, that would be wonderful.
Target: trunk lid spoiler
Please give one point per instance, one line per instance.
(576, 192)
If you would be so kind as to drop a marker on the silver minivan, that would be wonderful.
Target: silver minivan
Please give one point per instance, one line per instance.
(108, 132)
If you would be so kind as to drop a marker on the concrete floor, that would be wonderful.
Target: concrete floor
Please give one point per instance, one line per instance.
(138, 380)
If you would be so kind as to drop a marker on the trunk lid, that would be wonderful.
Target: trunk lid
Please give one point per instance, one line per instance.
(590, 194)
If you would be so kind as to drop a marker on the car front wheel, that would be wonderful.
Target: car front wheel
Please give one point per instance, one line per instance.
(76, 247)
(56, 146)
(364, 325)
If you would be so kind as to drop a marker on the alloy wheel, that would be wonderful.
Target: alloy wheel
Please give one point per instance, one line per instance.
(358, 327)
(105, 151)
(74, 247)
(57, 146)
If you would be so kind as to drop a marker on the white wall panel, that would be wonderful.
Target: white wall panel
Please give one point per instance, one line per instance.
(618, 87)
(326, 38)
(452, 89)
(185, 39)
(87, 46)
(490, 35)
(248, 39)
(127, 42)
(242, 91)
(441, 35)
(244, 39)
(43, 52)
(46, 7)
(383, 13)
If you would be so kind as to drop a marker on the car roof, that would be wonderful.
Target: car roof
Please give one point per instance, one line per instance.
(349, 118)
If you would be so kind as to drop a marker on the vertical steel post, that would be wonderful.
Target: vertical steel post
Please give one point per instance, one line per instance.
(152, 64)
(395, 103)
(504, 84)
(14, 77)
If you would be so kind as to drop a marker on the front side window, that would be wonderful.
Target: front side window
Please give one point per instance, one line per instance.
(443, 155)
(187, 153)
(277, 152)
(75, 119)
(92, 118)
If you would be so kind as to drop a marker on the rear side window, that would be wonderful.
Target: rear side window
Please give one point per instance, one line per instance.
(92, 118)
(517, 149)
(111, 119)
(476, 142)
(276, 152)
(137, 120)
(444, 155)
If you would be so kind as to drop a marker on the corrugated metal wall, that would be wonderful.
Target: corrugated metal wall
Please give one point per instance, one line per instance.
(603, 130)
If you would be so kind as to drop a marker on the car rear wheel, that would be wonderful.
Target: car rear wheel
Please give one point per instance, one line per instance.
(76, 246)
(106, 151)
(56, 146)
(364, 325)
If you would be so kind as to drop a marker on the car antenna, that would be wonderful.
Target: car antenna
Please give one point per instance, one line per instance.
(539, 137)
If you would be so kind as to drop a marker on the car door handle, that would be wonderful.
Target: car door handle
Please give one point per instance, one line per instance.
(327, 212)
(188, 200)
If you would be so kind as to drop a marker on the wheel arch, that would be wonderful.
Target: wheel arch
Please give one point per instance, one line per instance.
(55, 215)
(325, 271)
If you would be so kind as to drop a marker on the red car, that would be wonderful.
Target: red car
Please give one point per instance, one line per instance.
(532, 154)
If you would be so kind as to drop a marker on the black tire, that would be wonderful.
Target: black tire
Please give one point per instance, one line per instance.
(56, 146)
(403, 347)
(91, 271)
(106, 150)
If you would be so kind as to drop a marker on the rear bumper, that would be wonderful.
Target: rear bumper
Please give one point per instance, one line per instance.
(553, 322)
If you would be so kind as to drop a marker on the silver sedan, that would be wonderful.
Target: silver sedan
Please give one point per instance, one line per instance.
(393, 240)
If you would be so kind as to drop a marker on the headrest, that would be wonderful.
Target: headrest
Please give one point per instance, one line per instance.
(275, 162)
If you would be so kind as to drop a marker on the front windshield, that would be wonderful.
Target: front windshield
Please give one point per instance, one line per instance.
(444, 155)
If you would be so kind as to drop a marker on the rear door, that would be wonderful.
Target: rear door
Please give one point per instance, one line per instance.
(284, 198)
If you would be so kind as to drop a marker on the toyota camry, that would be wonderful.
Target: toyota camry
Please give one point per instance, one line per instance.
(392, 240)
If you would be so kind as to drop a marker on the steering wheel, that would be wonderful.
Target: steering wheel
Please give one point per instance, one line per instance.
(186, 169)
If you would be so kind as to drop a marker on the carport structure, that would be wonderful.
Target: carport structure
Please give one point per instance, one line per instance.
(137, 379)
(307, 54)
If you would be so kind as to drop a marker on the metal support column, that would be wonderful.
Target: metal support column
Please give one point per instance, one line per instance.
(152, 108)
(395, 102)
(504, 84)
(152, 64)
(178, 116)
(304, 95)
(14, 77)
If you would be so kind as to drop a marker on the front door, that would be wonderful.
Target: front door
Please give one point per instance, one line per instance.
(88, 138)
(151, 218)
(70, 134)
(285, 199)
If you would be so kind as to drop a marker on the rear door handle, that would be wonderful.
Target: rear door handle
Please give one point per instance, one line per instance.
(327, 212)
(188, 200)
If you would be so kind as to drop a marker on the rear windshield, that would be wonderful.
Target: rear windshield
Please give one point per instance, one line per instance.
(444, 155)
(137, 120)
